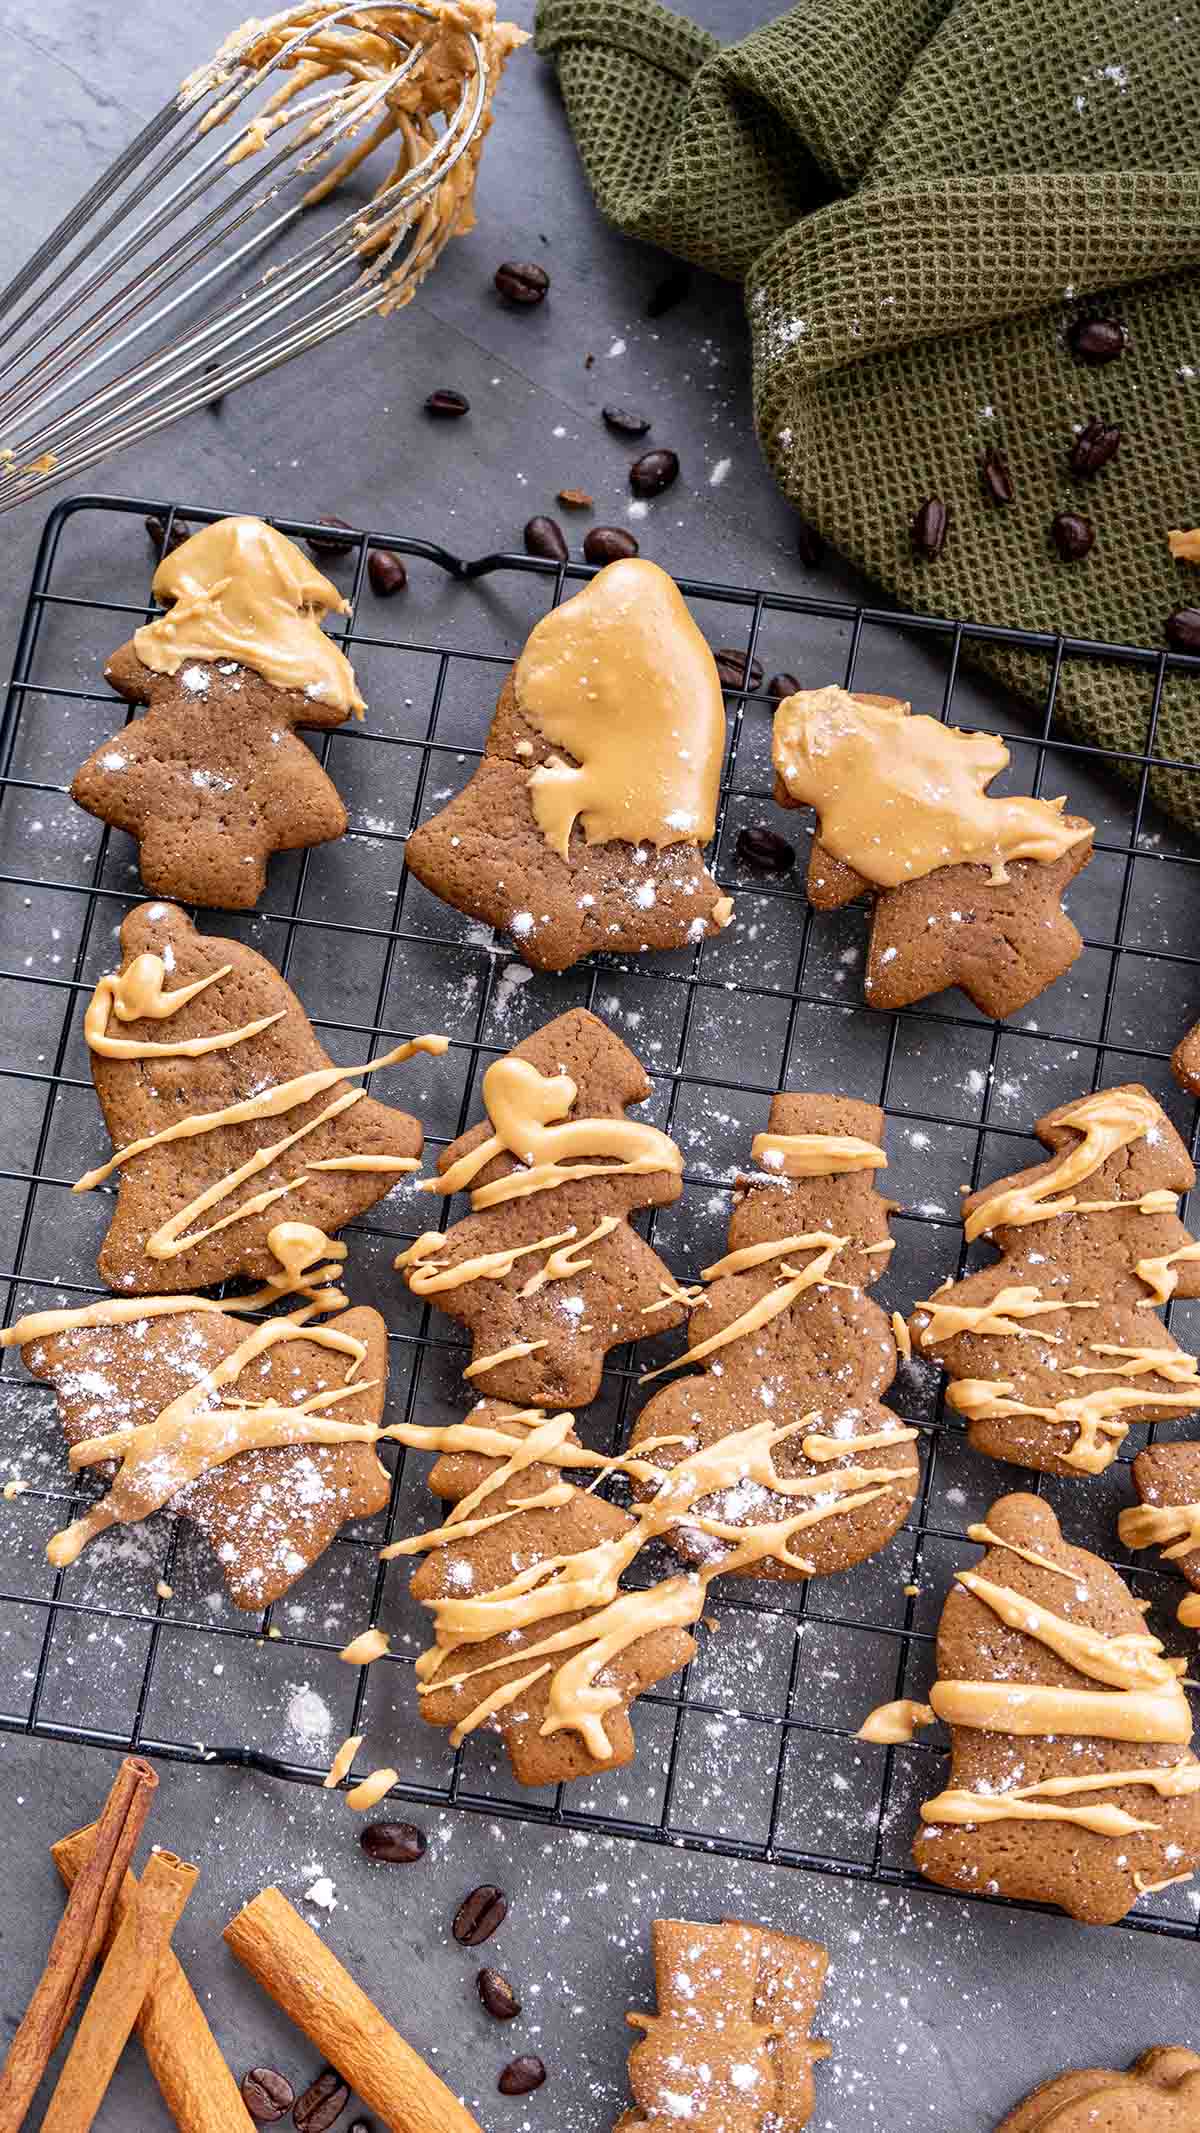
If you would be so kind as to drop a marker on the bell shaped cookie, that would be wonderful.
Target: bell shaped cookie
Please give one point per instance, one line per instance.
(1160, 2094)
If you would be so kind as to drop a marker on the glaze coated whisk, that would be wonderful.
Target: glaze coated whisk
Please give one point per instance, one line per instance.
(149, 300)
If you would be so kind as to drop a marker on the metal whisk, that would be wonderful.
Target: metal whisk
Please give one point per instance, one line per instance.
(115, 327)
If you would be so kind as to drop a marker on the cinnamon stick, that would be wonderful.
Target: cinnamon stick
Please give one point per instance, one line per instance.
(78, 1941)
(183, 2055)
(137, 1949)
(305, 1978)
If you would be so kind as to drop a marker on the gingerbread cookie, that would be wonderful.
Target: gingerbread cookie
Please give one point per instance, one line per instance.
(1185, 1060)
(795, 1337)
(1072, 1779)
(546, 1273)
(213, 780)
(583, 826)
(224, 1111)
(730, 2048)
(263, 1436)
(1054, 1351)
(1167, 1478)
(1159, 2094)
(966, 890)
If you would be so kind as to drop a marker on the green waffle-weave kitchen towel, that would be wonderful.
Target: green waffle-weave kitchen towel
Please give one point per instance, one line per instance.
(922, 197)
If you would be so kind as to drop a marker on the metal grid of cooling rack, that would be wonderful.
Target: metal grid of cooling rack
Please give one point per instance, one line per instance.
(752, 1752)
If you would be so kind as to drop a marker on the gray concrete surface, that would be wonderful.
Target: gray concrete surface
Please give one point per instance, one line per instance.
(941, 2014)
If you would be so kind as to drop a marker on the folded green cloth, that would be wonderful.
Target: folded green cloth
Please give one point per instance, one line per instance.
(922, 197)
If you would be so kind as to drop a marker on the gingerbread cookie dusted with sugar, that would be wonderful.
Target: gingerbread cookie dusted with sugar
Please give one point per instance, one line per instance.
(785, 1332)
(262, 1435)
(584, 824)
(967, 890)
(1072, 1779)
(225, 1113)
(546, 1273)
(1055, 1350)
(1159, 2094)
(1167, 1478)
(730, 2046)
(1185, 1061)
(213, 779)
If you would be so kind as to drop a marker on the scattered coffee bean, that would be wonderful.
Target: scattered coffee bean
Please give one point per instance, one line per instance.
(322, 2103)
(929, 528)
(624, 423)
(157, 530)
(1097, 340)
(545, 537)
(809, 545)
(478, 1915)
(497, 1995)
(670, 291)
(362, 2125)
(447, 404)
(760, 849)
(732, 668)
(521, 2076)
(994, 474)
(521, 281)
(331, 543)
(575, 499)
(654, 472)
(1096, 444)
(387, 572)
(268, 2096)
(781, 685)
(1183, 629)
(589, 362)
(608, 544)
(1073, 536)
(396, 1843)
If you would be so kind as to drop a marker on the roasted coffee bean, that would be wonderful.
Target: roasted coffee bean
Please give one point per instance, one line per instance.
(608, 544)
(331, 543)
(479, 1914)
(268, 2096)
(994, 474)
(1096, 444)
(322, 2103)
(180, 532)
(929, 529)
(396, 1843)
(448, 404)
(545, 537)
(387, 572)
(781, 685)
(1073, 536)
(521, 2076)
(654, 472)
(497, 1995)
(731, 666)
(521, 281)
(624, 423)
(760, 849)
(575, 499)
(670, 291)
(809, 545)
(1183, 629)
(1097, 340)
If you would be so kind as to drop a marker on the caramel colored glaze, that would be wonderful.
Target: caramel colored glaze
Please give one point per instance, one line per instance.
(141, 994)
(900, 796)
(239, 590)
(889, 1724)
(528, 1111)
(621, 678)
(815, 1155)
(1107, 1121)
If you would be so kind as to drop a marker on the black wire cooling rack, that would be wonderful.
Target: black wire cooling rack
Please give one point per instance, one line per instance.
(752, 1752)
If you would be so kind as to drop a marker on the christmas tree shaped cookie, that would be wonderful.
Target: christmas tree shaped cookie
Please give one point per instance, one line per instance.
(584, 824)
(967, 890)
(1160, 2094)
(546, 1272)
(213, 779)
(1072, 1780)
(785, 1330)
(730, 2048)
(1167, 1478)
(262, 1435)
(226, 1115)
(1056, 1349)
